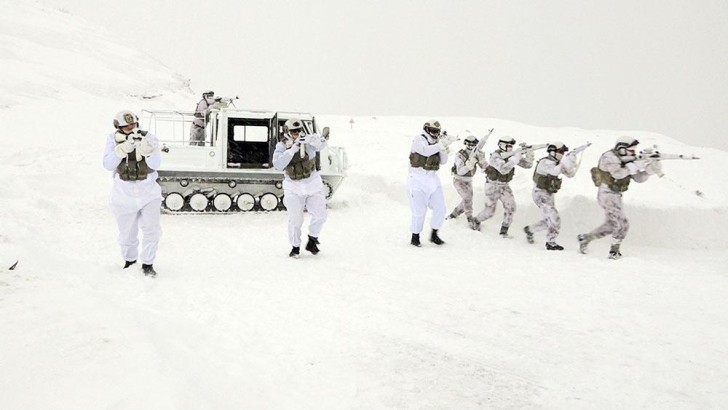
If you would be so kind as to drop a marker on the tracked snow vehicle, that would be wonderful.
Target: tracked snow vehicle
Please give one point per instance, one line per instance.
(233, 170)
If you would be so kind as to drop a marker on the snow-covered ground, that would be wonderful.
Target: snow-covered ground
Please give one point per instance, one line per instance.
(370, 322)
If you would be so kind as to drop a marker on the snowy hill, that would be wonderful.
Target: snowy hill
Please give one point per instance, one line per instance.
(370, 322)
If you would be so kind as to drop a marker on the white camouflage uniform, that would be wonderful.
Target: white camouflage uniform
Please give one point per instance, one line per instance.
(197, 128)
(302, 194)
(545, 200)
(500, 191)
(462, 180)
(424, 188)
(616, 222)
(136, 204)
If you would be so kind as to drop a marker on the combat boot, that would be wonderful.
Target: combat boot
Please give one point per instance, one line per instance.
(434, 238)
(529, 234)
(584, 240)
(504, 232)
(415, 241)
(149, 270)
(614, 251)
(474, 224)
(295, 252)
(553, 246)
(311, 246)
(128, 263)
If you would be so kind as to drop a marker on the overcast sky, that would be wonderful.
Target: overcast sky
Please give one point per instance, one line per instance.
(655, 65)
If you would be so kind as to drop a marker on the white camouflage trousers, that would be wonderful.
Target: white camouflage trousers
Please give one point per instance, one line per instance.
(494, 192)
(551, 221)
(315, 204)
(615, 222)
(464, 188)
(133, 213)
(425, 192)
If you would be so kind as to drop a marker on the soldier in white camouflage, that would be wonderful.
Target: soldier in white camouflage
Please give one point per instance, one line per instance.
(498, 173)
(197, 128)
(133, 157)
(428, 151)
(616, 168)
(303, 188)
(546, 184)
(463, 170)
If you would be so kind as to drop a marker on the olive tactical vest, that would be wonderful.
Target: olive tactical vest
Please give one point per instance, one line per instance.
(431, 163)
(549, 183)
(464, 155)
(494, 175)
(300, 168)
(132, 170)
(616, 185)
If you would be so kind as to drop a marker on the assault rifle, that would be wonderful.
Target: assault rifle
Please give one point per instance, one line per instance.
(223, 102)
(524, 148)
(580, 148)
(324, 134)
(480, 145)
(652, 155)
(448, 138)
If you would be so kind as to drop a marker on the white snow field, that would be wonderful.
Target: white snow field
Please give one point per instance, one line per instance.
(371, 322)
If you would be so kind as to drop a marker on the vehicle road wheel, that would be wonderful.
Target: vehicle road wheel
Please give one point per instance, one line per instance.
(174, 201)
(268, 201)
(246, 202)
(222, 202)
(198, 202)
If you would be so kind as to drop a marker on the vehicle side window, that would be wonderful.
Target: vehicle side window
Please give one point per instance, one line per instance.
(250, 133)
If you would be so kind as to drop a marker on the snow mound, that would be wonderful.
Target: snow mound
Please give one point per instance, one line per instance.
(46, 52)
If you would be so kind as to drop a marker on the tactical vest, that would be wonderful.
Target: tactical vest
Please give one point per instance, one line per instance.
(600, 176)
(494, 175)
(300, 168)
(464, 155)
(549, 183)
(132, 170)
(431, 163)
(616, 185)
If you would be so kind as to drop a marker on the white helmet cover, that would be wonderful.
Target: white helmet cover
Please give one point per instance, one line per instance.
(293, 124)
(504, 141)
(557, 146)
(124, 118)
(471, 140)
(623, 144)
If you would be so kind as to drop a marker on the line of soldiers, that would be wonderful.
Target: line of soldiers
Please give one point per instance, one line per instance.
(616, 168)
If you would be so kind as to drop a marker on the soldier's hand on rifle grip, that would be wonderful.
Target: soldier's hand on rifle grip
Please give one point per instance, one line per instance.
(654, 167)
(443, 143)
(145, 147)
(123, 149)
(516, 157)
(470, 163)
